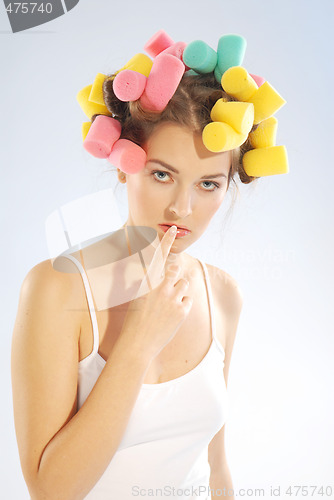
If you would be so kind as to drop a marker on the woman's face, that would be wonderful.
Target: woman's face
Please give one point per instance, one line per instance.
(182, 183)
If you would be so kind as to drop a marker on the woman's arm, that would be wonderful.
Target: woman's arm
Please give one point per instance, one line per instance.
(231, 303)
(220, 477)
(63, 452)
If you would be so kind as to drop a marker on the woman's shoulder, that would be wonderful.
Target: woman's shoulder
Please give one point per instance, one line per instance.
(44, 283)
(226, 287)
(46, 273)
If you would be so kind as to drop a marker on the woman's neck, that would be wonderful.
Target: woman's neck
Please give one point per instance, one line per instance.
(177, 258)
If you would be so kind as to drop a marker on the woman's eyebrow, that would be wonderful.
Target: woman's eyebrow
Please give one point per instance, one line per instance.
(169, 167)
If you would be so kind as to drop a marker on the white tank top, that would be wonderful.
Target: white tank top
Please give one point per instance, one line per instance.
(164, 450)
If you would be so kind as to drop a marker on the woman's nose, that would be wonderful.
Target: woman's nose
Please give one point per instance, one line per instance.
(181, 205)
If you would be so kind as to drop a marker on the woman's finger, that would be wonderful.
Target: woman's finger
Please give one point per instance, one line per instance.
(154, 272)
(157, 265)
(181, 288)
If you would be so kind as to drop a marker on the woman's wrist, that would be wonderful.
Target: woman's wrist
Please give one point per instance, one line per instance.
(136, 352)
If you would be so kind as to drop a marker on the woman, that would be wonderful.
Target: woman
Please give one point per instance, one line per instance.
(144, 413)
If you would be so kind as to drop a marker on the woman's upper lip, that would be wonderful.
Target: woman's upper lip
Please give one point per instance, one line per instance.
(173, 224)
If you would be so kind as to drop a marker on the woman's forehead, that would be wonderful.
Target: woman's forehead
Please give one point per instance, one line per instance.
(179, 147)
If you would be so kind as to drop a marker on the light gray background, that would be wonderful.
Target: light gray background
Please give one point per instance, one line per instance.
(278, 242)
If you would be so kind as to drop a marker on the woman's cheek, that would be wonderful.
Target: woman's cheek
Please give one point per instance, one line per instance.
(217, 202)
(157, 197)
(149, 200)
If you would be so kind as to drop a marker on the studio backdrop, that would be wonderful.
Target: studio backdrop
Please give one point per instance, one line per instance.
(274, 236)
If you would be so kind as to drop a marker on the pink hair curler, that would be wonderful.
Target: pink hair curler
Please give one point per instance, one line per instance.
(259, 80)
(129, 85)
(157, 43)
(177, 50)
(162, 82)
(127, 156)
(102, 135)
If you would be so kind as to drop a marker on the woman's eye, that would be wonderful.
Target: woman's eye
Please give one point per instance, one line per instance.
(162, 176)
(214, 184)
(159, 175)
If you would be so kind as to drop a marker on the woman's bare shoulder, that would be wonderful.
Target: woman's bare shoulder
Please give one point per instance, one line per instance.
(44, 282)
(226, 287)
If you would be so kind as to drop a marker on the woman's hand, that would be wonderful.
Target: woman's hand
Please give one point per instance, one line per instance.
(153, 319)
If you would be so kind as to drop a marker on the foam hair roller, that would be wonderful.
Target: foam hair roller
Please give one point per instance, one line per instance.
(191, 72)
(218, 74)
(127, 156)
(175, 50)
(218, 137)
(231, 50)
(266, 161)
(96, 94)
(199, 56)
(259, 80)
(90, 108)
(129, 85)
(157, 43)
(266, 102)
(84, 129)
(102, 135)
(153, 84)
(140, 63)
(265, 134)
(239, 115)
(237, 82)
(163, 80)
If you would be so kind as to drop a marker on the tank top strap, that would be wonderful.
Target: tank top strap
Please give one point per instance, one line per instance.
(90, 302)
(211, 303)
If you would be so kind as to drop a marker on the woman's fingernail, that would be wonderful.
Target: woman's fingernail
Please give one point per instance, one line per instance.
(173, 230)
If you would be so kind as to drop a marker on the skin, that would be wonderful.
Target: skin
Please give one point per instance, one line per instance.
(182, 199)
(187, 199)
(53, 328)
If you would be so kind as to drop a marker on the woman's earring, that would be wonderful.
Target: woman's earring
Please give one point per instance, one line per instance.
(122, 177)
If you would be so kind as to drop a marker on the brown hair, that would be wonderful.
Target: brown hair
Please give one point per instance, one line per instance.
(190, 106)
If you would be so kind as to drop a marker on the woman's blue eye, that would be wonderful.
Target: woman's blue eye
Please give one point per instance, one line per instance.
(216, 186)
(159, 172)
(160, 176)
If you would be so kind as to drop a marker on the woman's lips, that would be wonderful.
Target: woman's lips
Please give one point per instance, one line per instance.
(180, 232)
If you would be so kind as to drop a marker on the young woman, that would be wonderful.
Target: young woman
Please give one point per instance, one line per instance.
(131, 400)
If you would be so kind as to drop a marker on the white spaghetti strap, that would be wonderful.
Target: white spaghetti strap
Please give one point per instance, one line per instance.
(210, 297)
(212, 313)
(90, 302)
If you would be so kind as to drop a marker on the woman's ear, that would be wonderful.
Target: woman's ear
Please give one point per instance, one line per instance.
(121, 176)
